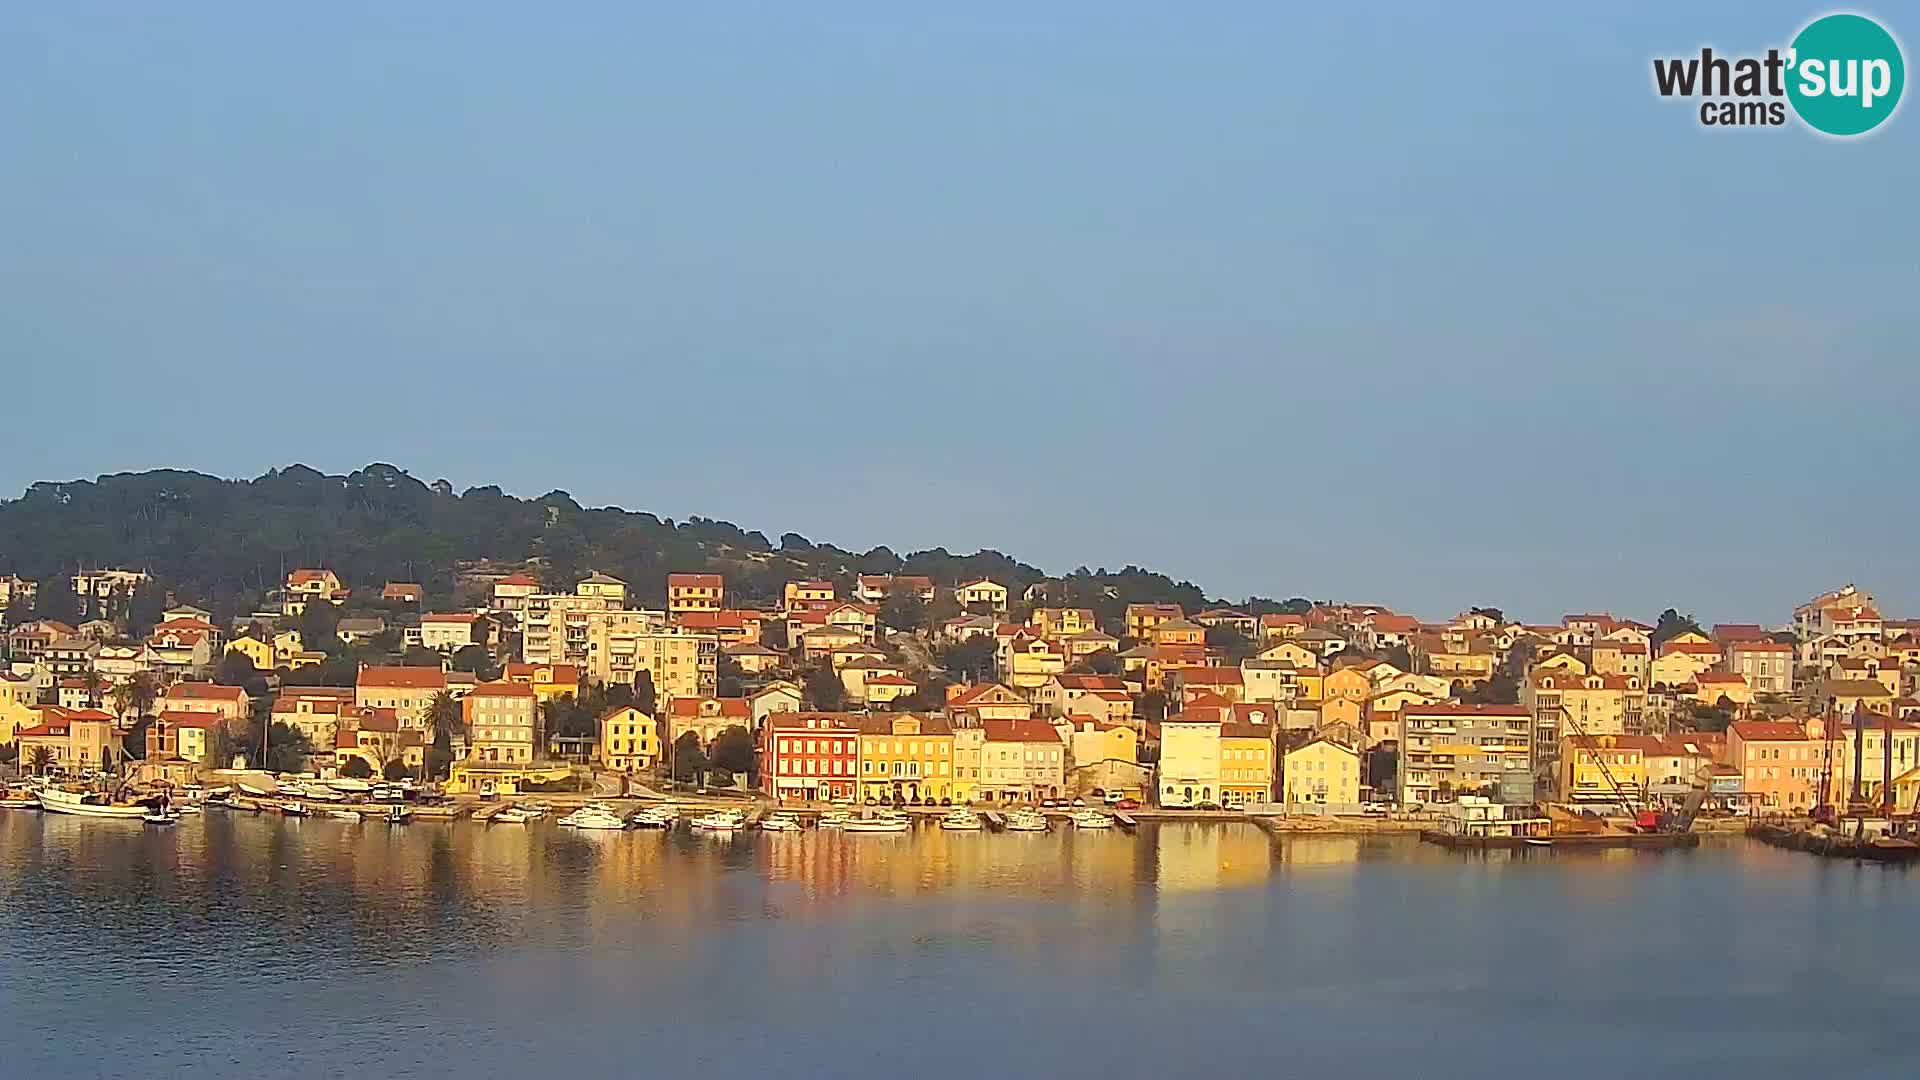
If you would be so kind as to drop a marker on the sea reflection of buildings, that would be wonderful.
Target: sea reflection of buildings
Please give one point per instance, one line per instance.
(1195, 855)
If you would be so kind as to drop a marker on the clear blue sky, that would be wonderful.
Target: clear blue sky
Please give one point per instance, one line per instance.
(1390, 303)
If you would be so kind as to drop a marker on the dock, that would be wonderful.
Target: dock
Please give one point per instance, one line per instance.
(1573, 842)
(994, 820)
(1834, 844)
(1126, 821)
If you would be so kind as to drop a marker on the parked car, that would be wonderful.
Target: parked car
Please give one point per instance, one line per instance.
(1127, 804)
(1375, 809)
(1079, 802)
(1047, 804)
(1099, 792)
(1204, 805)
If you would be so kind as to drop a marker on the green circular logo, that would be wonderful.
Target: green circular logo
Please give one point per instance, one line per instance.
(1845, 74)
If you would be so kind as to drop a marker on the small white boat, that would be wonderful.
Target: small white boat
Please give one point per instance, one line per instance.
(160, 817)
(834, 819)
(782, 822)
(961, 820)
(186, 808)
(292, 808)
(514, 815)
(1091, 819)
(350, 785)
(593, 817)
(398, 815)
(720, 821)
(891, 823)
(1026, 821)
(344, 815)
(249, 789)
(291, 790)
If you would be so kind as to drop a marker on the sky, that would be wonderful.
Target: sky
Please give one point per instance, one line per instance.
(1420, 305)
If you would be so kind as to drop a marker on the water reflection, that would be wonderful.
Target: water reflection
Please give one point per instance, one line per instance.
(488, 950)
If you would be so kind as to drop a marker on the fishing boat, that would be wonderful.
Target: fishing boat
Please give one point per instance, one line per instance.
(888, 823)
(720, 821)
(593, 817)
(834, 819)
(19, 797)
(344, 815)
(651, 818)
(57, 800)
(1091, 819)
(960, 819)
(293, 808)
(781, 822)
(1026, 821)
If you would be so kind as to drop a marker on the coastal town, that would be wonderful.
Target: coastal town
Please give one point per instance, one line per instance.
(901, 691)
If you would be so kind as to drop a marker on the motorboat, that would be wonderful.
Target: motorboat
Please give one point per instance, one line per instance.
(781, 822)
(344, 815)
(294, 808)
(58, 800)
(887, 823)
(349, 785)
(834, 819)
(1026, 821)
(515, 815)
(1091, 819)
(160, 817)
(19, 797)
(398, 815)
(324, 794)
(291, 790)
(651, 818)
(593, 817)
(720, 821)
(960, 819)
(249, 789)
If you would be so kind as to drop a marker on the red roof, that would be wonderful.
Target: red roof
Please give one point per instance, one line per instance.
(1698, 648)
(1769, 731)
(501, 689)
(1091, 682)
(696, 581)
(177, 718)
(689, 707)
(1463, 710)
(1720, 677)
(200, 691)
(889, 680)
(518, 579)
(1210, 676)
(1728, 632)
(304, 577)
(449, 617)
(559, 674)
(1027, 731)
(403, 678)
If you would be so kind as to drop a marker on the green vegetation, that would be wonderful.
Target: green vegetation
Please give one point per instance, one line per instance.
(227, 544)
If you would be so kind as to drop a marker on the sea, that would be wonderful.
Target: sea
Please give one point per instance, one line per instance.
(250, 946)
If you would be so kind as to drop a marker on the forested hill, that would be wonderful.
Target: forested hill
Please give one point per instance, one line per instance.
(226, 543)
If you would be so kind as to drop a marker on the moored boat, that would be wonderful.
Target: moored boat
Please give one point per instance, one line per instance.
(593, 817)
(344, 815)
(720, 821)
(961, 820)
(889, 823)
(59, 800)
(294, 808)
(1091, 819)
(1024, 820)
(834, 819)
(781, 822)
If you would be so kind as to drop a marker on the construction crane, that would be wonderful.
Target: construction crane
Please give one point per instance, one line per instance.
(1619, 791)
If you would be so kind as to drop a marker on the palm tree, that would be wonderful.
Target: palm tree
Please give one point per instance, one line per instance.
(444, 724)
(93, 683)
(40, 760)
(135, 696)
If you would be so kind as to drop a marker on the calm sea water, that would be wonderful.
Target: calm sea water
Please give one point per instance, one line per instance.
(249, 947)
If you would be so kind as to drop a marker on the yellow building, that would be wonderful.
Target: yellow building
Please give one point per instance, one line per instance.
(905, 757)
(695, 592)
(499, 718)
(1246, 764)
(1031, 662)
(1594, 768)
(548, 681)
(1142, 618)
(1062, 621)
(17, 698)
(1322, 771)
(1178, 632)
(258, 653)
(1347, 682)
(498, 778)
(629, 741)
(1095, 742)
(1290, 652)
(603, 587)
